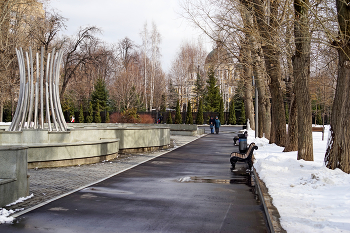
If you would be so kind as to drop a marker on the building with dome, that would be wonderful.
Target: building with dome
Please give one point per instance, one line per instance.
(220, 60)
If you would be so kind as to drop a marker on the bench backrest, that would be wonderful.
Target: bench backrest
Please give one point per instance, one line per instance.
(251, 148)
(317, 129)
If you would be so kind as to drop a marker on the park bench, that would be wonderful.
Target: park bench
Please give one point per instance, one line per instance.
(247, 157)
(318, 129)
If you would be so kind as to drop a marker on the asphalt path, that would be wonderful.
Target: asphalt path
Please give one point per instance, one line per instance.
(190, 189)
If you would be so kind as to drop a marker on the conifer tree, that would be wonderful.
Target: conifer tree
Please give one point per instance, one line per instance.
(189, 117)
(99, 95)
(212, 98)
(98, 113)
(81, 114)
(199, 119)
(169, 119)
(221, 112)
(178, 117)
(242, 118)
(199, 88)
(232, 113)
(90, 116)
(107, 117)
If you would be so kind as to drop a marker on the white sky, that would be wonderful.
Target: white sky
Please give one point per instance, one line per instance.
(121, 18)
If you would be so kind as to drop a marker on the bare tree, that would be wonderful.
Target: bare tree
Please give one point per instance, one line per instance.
(301, 72)
(338, 151)
(78, 51)
(13, 33)
(145, 43)
(43, 31)
(155, 56)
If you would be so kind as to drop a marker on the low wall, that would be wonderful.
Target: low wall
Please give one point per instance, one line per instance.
(13, 174)
(175, 129)
(82, 145)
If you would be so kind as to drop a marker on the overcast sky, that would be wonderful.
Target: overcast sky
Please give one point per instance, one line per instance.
(121, 18)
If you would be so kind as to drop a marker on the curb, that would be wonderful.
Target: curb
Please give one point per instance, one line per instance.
(271, 213)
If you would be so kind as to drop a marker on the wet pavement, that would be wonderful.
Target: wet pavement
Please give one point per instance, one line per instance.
(190, 189)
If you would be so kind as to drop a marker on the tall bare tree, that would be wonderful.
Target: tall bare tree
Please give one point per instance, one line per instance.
(301, 72)
(268, 22)
(338, 151)
(78, 51)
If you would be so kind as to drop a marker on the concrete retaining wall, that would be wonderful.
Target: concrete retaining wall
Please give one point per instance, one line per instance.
(84, 145)
(13, 174)
(175, 129)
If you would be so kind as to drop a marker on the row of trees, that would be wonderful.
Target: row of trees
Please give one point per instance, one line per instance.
(301, 42)
(129, 71)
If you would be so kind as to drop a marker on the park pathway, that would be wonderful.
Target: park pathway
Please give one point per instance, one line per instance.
(190, 189)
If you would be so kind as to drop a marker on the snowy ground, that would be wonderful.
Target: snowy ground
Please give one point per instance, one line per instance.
(308, 196)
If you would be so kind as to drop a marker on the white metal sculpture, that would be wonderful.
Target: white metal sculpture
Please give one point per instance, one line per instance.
(32, 92)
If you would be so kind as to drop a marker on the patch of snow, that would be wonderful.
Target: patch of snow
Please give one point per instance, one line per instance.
(5, 214)
(21, 199)
(185, 179)
(309, 196)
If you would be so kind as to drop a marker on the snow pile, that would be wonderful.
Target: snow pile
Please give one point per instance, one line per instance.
(308, 196)
(5, 214)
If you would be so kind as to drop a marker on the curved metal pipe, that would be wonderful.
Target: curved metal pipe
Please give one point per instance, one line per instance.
(42, 88)
(50, 91)
(31, 89)
(47, 92)
(57, 86)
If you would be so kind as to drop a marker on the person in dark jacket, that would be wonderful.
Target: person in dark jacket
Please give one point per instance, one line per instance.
(217, 125)
(212, 124)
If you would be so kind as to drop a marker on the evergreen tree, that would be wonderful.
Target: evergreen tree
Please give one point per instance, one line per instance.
(90, 116)
(98, 113)
(189, 117)
(242, 118)
(221, 112)
(163, 104)
(169, 119)
(212, 98)
(81, 114)
(107, 117)
(199, 88)
(99, 95)
(232, 113)
(178, 117)
(199, 119)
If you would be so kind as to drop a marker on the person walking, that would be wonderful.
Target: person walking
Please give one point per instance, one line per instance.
(217, 125)
(212, 125)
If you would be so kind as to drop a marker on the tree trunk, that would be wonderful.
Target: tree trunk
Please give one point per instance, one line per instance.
(258, 71)
(301, 71)
(1, 111)
(268, 32)
(248, 96)
(338, 150)
(292, 136)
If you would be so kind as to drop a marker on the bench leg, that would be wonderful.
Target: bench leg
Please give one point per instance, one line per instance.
(250, 164)
(233, 165)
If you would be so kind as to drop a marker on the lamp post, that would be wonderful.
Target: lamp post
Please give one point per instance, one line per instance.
(256, 108)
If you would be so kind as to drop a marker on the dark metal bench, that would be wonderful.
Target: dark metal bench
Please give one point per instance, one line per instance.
(247, 157)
